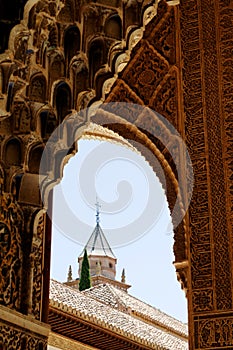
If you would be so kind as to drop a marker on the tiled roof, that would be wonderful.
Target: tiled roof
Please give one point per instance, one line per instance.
(85, 307)
(120, 299)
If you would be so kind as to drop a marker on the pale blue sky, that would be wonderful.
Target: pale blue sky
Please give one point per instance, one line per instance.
(134, 217)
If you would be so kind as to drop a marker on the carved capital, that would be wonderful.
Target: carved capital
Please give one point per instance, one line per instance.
(182, 274)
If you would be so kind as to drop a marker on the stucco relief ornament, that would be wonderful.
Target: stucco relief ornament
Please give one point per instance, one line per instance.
(135, 37)
(5, 259)
(149, 13)
(10, 248)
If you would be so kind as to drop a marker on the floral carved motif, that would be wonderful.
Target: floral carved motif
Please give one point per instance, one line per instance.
(214, 333)
(37, 260)
(10, 251)
(203, 300)
(14, 339)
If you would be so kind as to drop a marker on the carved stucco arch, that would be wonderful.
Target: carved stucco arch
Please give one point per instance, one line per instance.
(136, 136)
(125, 131)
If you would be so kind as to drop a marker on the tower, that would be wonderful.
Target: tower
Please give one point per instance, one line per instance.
(101, 258)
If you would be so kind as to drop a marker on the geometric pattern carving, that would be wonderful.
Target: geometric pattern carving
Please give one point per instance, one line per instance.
(122, 92)
(149, 70)
(163, 35)
(203, 300)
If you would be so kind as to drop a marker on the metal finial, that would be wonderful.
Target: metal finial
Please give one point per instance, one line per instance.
(69, 277)
(98, 206)
(123, 276)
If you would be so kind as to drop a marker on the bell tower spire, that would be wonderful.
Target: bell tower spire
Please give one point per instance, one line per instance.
(100, 254)
(102, 261)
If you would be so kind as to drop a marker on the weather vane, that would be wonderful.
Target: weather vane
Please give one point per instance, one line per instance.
(98, 206)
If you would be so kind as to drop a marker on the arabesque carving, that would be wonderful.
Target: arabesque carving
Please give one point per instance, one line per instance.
(37, 265)
(11, 338)
(11, 225)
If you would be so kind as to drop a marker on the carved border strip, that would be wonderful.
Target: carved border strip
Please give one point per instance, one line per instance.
(201, 286)
(225, 39)
(217, 181)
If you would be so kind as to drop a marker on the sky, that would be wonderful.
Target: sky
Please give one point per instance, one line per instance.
(134, 216)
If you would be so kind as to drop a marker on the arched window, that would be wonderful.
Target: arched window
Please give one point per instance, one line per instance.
(62, 100)
(96, 58)
(113, 27)
(71, 44)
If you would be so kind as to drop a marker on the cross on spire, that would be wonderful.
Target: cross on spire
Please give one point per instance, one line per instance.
(98, 206)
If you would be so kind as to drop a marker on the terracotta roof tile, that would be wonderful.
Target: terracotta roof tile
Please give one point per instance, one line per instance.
(86, 307)
(115, 297)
